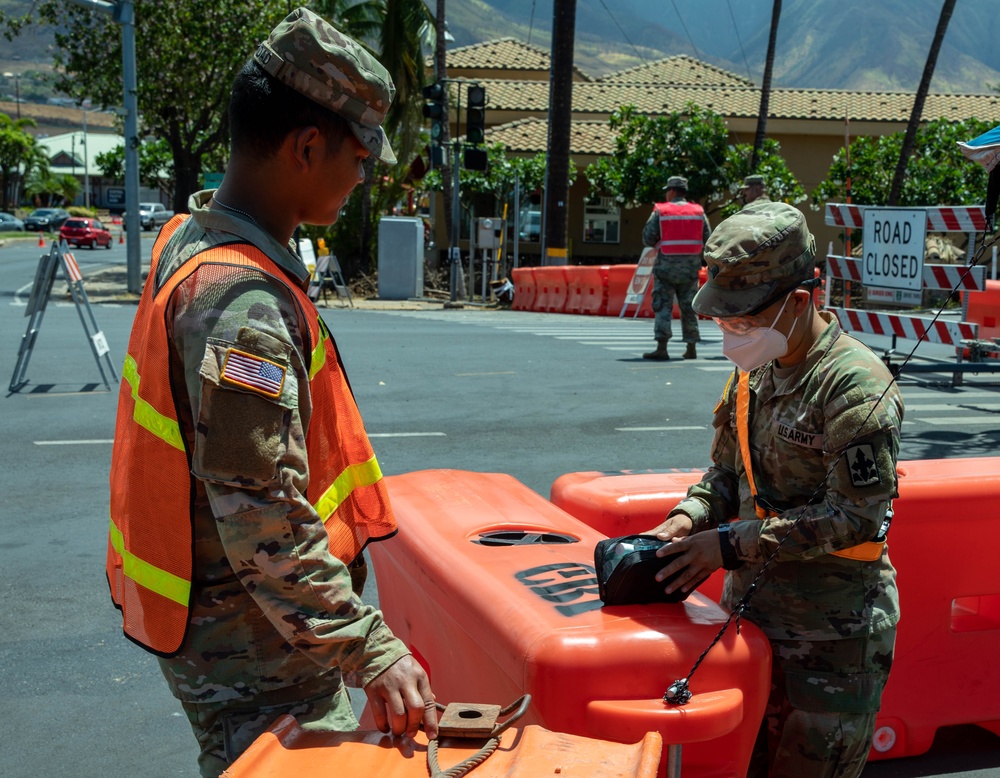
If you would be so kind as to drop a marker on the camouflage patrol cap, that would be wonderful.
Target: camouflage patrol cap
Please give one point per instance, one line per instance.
(315, 59)
(676, 182)
(754, 257)
(752, 181)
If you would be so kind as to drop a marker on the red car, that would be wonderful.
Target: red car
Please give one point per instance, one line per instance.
(85, 232)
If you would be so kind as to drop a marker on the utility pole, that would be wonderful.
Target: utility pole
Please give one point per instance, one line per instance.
(123, 13)
(556, 195)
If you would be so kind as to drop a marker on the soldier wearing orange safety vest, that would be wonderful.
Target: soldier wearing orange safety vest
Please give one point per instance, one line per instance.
(678, 229)
(797, 502)
(243, 484)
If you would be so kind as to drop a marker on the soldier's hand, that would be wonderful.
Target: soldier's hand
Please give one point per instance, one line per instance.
(401, 699)
(697, 556)
(677, 526)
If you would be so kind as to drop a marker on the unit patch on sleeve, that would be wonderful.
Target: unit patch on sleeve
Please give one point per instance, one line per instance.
(861, 462)
(254, 373)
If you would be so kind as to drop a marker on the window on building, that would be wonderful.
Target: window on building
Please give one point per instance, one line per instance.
(601, 220)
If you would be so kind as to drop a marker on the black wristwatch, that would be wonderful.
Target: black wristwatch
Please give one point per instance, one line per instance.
(729, 559)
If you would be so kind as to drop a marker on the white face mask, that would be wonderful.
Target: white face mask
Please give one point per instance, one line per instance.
(758, 346)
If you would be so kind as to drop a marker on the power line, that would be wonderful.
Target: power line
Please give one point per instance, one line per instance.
(624, 35)
(739, 40)
(531, 21)
(684, 26)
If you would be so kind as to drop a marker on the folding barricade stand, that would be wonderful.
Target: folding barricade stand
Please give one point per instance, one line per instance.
(968, 219)
(44, 278)
(639, 286)
(327, 274)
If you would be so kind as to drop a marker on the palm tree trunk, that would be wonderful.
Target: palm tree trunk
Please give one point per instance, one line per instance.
(560, 112)
(910, 138)
(765, 87)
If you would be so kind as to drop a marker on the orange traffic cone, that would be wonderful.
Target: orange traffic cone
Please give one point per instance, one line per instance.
(121, 236)
(41, 238)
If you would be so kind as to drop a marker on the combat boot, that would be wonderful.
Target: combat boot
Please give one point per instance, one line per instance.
(660, 353)
(689, 352)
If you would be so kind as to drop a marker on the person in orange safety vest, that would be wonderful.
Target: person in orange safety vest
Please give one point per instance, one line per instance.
(243, 485)
(678, 229)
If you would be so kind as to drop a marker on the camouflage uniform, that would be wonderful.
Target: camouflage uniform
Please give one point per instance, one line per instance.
(274, 621)
(673, 274)
(824, 437)
(276, 624)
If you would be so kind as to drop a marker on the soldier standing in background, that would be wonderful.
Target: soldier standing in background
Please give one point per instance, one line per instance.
(678, 229)
(243, 485)
(753, 190)
(804, 455)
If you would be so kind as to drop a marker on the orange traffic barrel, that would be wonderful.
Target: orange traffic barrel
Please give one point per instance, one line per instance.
(949, 590)
(493, 589)
(287, 749)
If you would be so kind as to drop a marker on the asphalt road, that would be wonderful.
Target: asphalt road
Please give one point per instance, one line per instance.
(533, 395)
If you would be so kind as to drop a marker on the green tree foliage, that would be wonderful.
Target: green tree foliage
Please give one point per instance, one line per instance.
(18, 151)
(937, 173)
(186, 56)
(781, 182)
(650, 149)
(693, 143)
(49, 189)
(156, 165)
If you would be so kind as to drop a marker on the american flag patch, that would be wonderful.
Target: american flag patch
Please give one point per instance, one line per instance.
(254, 373)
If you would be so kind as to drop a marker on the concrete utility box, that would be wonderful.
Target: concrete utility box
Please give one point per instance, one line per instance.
(400, 258)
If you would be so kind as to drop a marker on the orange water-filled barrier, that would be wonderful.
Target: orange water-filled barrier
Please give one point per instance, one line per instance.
(288, 750)
(493, 589)
(550, 289)
(587, 290)
(945, 671)
(619, 280)
(525, 288)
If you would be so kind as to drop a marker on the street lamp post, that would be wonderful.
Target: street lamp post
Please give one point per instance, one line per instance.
(123, 12)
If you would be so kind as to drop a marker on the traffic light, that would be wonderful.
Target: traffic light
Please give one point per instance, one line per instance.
(475, 125)
(435, 95)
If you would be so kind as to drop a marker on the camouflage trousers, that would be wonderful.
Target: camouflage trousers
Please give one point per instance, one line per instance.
(226, 729)
(820, 716)
(675, 276)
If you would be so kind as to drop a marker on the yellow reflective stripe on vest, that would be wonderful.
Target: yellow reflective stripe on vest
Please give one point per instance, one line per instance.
(353, 477)
(318, 355)
(149, 576)
(145, 415)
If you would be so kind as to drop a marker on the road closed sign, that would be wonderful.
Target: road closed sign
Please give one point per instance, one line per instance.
(894, 248)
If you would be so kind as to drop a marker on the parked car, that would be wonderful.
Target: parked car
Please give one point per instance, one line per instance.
(152, 215)
(49, 219)
(85, 232)
(10, 223)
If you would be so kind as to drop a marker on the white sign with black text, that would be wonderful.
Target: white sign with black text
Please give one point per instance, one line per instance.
(894, 248)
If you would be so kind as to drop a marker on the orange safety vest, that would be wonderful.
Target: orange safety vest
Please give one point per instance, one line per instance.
(681, 228)
(869, 551)
(149, 562)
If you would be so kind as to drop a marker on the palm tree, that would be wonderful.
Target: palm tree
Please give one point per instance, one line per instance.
(909, 139)
(18, 149)
(765, 87)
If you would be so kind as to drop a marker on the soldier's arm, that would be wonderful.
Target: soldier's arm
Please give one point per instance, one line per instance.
(249, 451)
(651, 230)
(860, 458)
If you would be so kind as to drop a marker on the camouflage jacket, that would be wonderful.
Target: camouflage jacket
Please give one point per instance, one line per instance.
(824, 448)
(271, 606)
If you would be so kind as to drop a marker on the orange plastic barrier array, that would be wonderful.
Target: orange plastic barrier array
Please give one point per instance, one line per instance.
(587, 289)
(493, 589)
(525, 288)
(550, 289)
(288, 750)
(945, 670)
